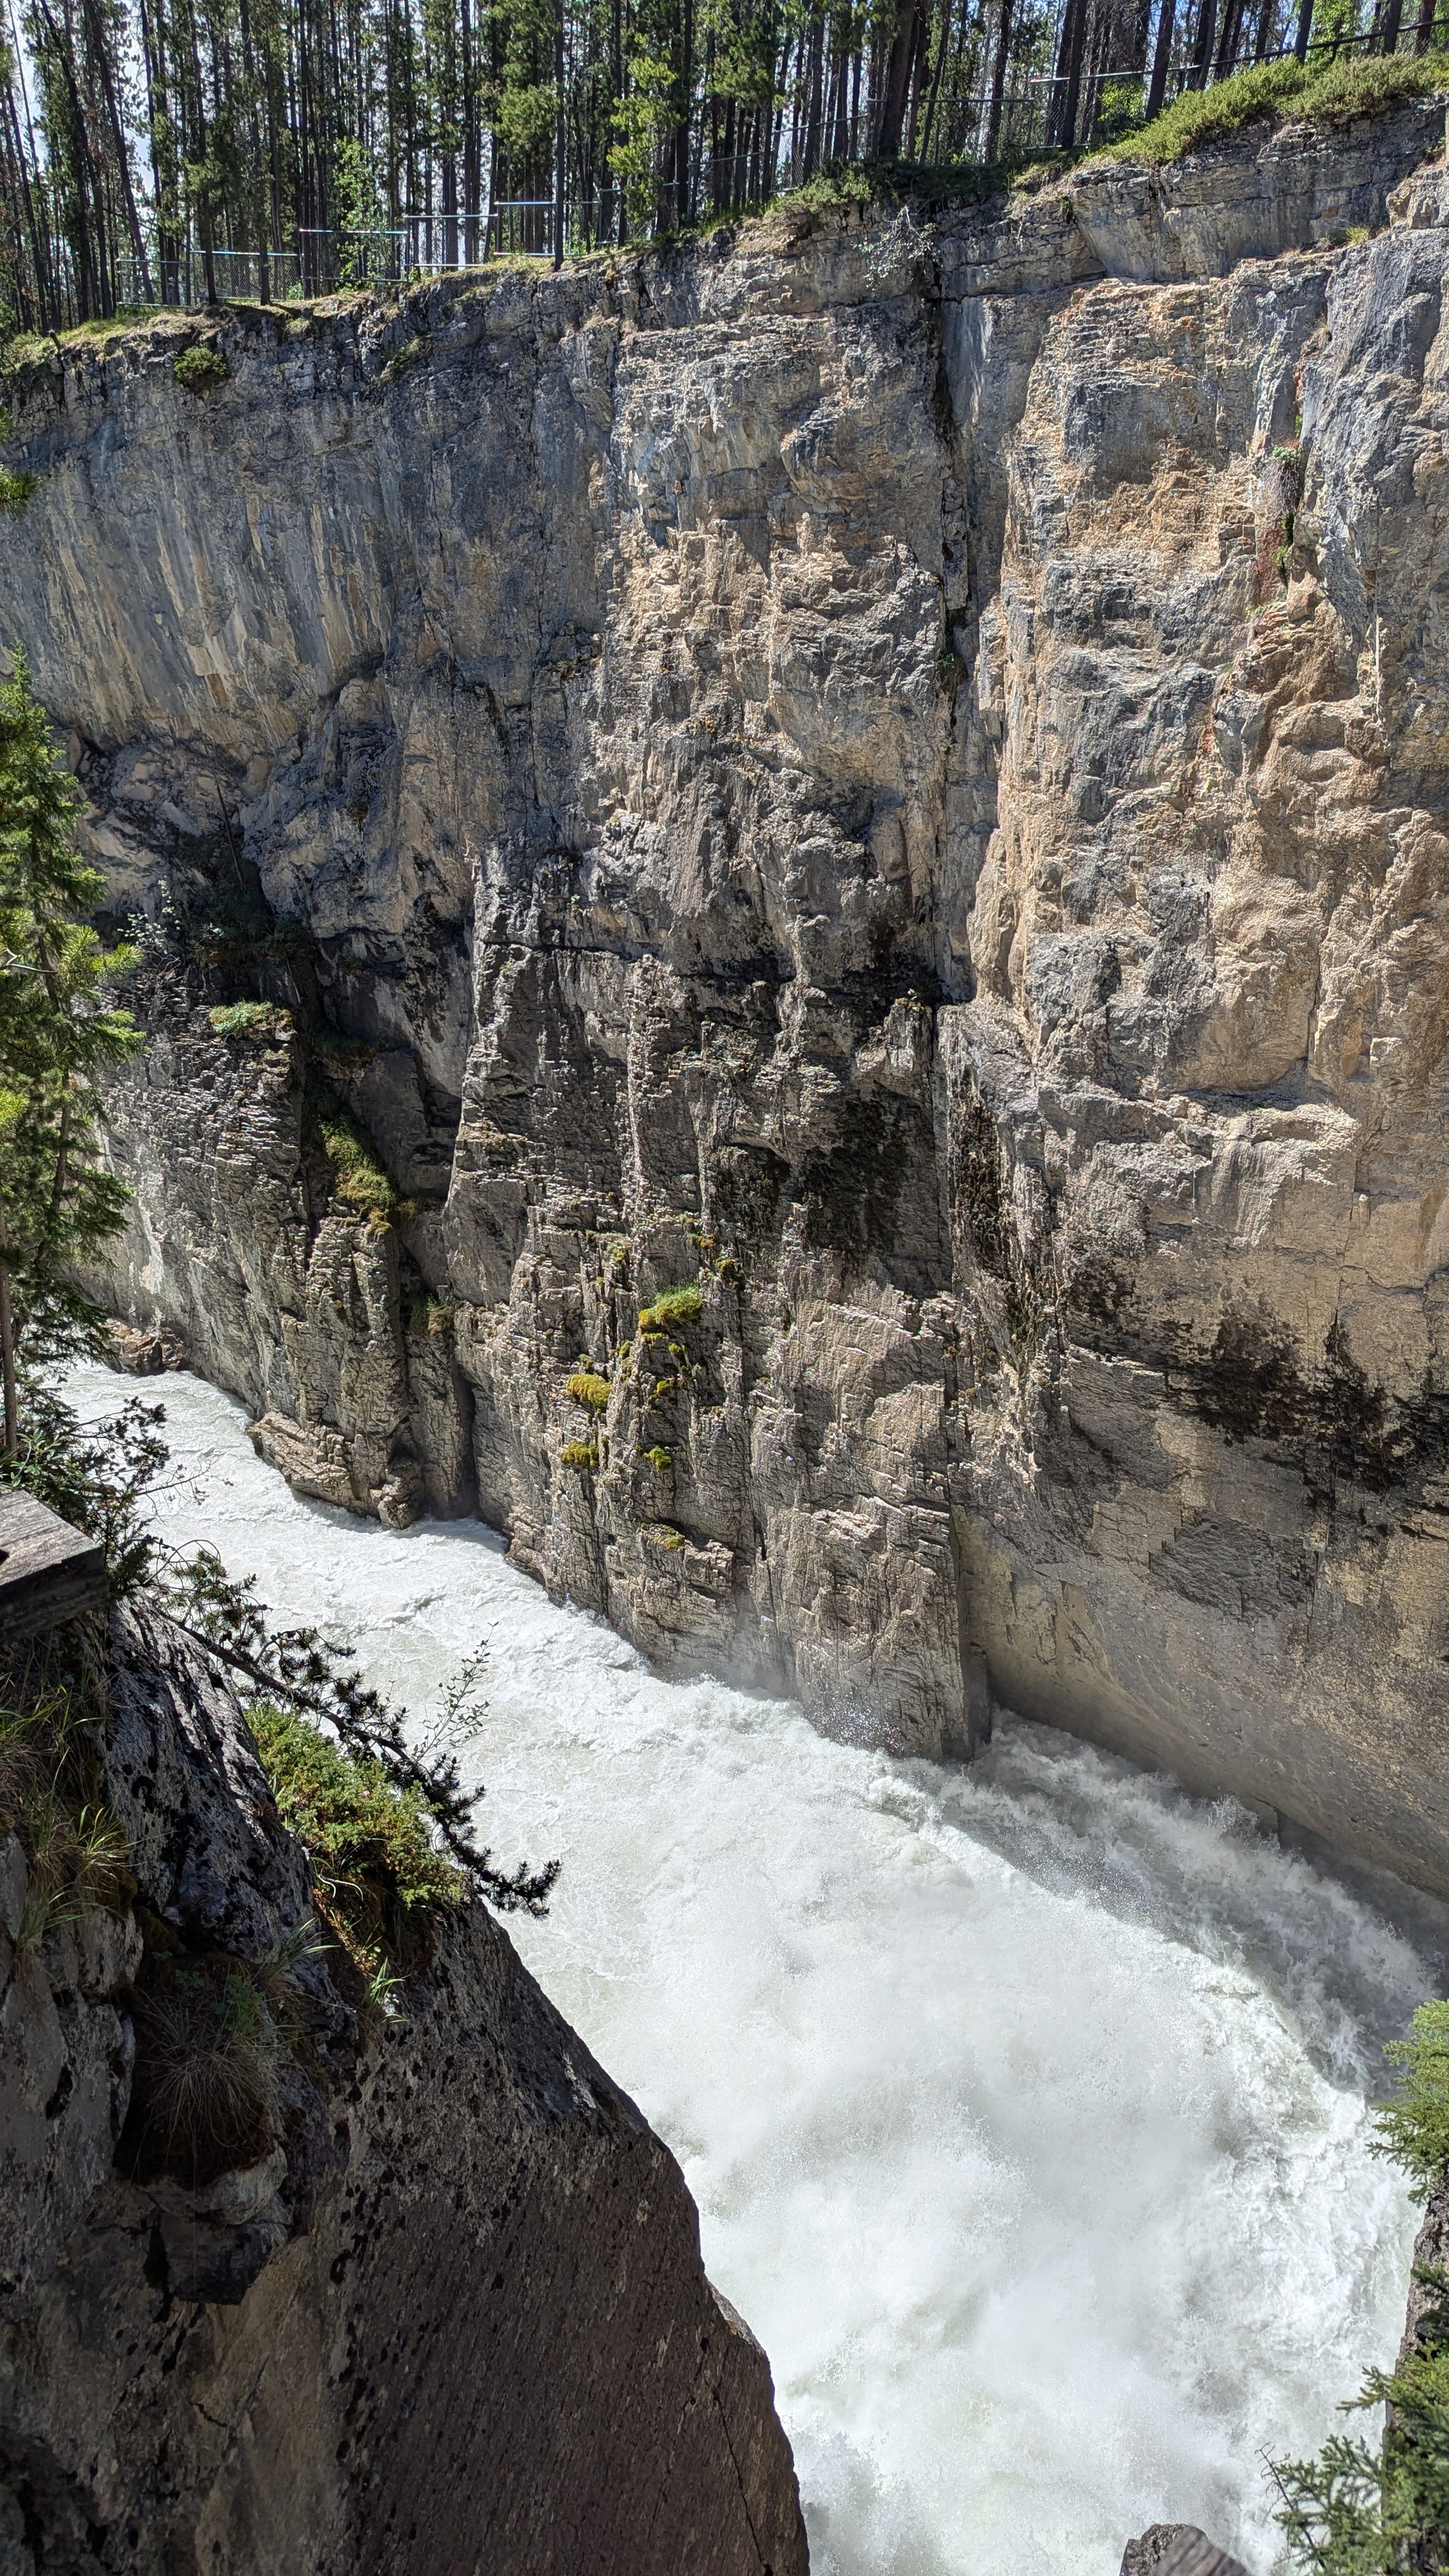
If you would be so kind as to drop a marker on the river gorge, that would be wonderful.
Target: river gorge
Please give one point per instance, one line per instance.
(1024, 2102)
(793, 918)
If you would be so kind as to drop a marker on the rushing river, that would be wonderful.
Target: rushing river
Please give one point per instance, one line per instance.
(1024, 2105)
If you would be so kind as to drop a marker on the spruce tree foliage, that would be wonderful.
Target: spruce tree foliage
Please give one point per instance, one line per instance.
(303, 1673)
(1359, 2511)
(300, 1684)
(58, 1033)
(145, 145)
(1413, 2125)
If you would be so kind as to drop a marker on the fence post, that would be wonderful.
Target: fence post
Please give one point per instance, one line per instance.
(558, 184)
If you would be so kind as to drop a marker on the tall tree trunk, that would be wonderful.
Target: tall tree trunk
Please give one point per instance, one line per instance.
(1100, 63)
(897, 82)
(1067, 86)
(683, 191)
(89, 302)
(7, 1360)
(39, 246)
(1161, 61)
(101, 55)
(928, 126)
(558, 140)
(1228, 40)
(816, 102)
(991, 144)
(1202, 50)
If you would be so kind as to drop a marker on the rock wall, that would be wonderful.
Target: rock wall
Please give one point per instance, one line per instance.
(454, 2320)
(896, 772)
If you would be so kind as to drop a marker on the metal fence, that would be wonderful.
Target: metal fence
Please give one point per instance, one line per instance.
(433, 245)
(523, 227)
(328, 262)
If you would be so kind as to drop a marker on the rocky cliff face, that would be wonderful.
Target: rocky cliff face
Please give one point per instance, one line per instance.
(897, 774)
(454, 2320)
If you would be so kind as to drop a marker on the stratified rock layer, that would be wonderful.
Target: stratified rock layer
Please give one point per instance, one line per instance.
(455, 2322)
(899, 774)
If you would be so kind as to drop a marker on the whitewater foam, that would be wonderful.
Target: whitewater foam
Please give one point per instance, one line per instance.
(1024, 2105)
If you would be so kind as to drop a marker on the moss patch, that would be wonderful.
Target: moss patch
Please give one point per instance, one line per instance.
(360, 1176)
(409, 355)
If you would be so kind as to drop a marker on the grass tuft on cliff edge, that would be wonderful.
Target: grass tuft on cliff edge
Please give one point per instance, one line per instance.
(1341, 89)
(359, 1175)
(379, 1879)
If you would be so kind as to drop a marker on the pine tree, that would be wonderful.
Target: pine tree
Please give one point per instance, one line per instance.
(58, 1031)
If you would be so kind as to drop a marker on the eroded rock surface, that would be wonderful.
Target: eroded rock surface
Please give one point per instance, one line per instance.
(897, 773)
(1177, 2549)
(455, 2318)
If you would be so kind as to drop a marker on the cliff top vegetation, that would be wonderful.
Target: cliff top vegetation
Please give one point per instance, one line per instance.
(1336, 82)
(1344, 87)
(157, 154)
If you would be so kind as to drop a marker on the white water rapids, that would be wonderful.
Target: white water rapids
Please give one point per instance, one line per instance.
(1024, 2105)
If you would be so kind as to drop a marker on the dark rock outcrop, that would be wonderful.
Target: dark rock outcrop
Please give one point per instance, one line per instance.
(453, 2320)
(1178, 2549)
(1431, 2254)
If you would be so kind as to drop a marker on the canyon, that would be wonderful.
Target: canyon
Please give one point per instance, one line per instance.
(1024, 2103)
(884, 770)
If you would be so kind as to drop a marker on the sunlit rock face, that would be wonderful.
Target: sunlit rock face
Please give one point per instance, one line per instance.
(896, 773)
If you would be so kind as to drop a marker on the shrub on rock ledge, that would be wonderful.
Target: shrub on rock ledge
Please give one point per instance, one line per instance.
(250, 1020)
(380, 1879)
(672, 1308)
(201, 370)
(354, 1158)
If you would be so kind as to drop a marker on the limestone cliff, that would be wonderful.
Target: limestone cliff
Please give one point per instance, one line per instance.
(896, 771)
(453, 2320)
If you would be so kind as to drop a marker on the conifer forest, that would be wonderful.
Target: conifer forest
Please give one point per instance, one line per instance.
(182, 151)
